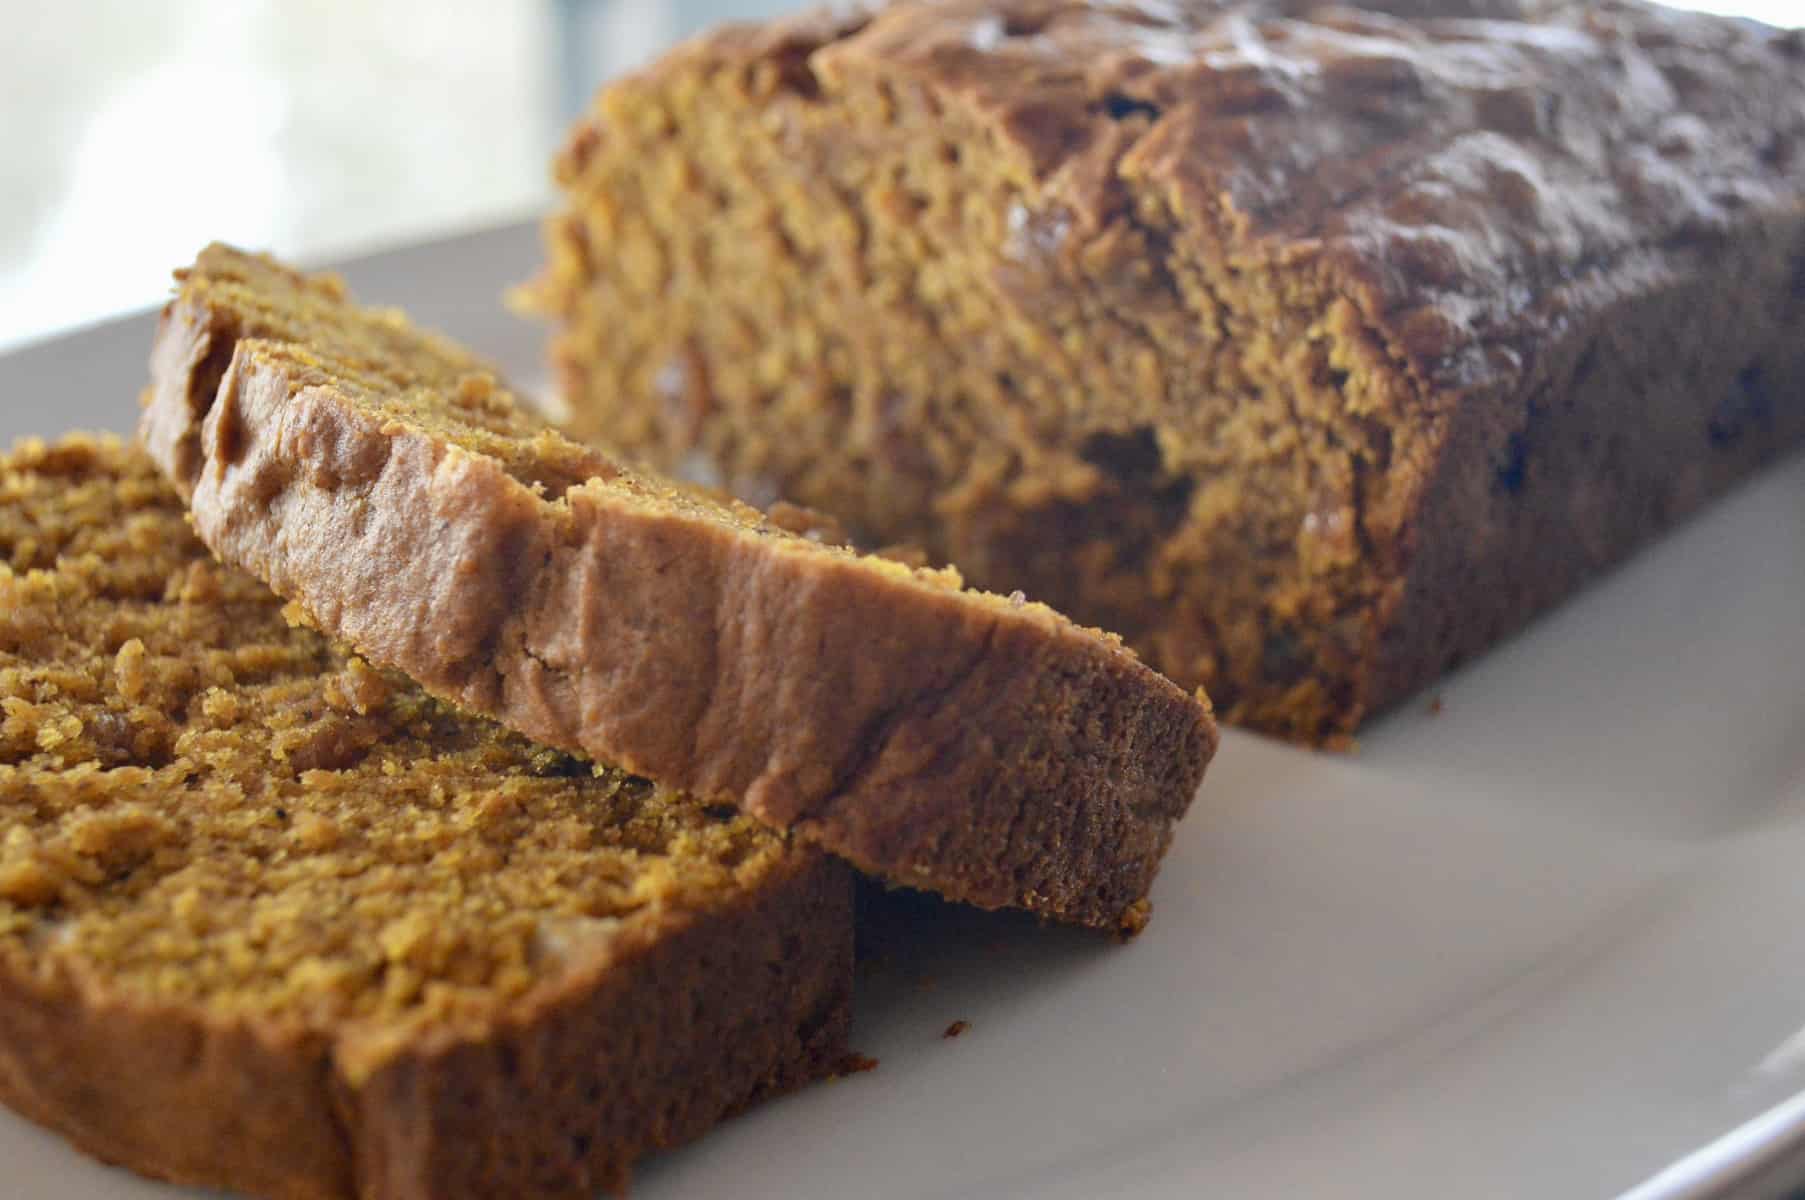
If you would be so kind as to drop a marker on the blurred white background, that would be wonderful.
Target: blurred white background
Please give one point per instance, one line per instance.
(136, 130)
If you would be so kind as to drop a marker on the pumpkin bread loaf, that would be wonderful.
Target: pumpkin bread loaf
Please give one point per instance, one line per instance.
(976, 745)
(273, 920)
(1313, 347)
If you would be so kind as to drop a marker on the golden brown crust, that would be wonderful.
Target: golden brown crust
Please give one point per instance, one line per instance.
(274, 922)
(986, 749)
(170, 1094)
(1249, 328)
(686, 1022)
(541, 1106)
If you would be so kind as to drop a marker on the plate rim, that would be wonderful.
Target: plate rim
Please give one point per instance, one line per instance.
(1733, 1162)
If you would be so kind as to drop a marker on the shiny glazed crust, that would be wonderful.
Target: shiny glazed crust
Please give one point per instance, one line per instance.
(983, 748)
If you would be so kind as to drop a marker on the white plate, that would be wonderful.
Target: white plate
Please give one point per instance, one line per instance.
(1547, 942)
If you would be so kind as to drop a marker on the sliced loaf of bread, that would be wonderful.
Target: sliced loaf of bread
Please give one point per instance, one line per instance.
(979, 746)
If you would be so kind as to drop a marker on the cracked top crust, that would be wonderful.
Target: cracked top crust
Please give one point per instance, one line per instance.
(983, 747)
(1465, 170)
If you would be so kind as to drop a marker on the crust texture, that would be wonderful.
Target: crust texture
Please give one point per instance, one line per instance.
(686, 1022)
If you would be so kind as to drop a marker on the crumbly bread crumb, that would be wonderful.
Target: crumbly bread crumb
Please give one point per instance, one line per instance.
(342, 844)
(255, 861)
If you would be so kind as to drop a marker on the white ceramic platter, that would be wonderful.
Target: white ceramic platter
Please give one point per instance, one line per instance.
(1549, 941)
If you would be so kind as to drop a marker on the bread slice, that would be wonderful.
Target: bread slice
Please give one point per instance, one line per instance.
(275, 921)
(980, 746)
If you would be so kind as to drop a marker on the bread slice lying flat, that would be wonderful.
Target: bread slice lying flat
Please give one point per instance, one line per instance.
(982, 747)
(275, 921)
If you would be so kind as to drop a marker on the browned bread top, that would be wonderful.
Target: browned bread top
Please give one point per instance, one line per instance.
(981, 746)
(251, 886)
(1465, 170)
